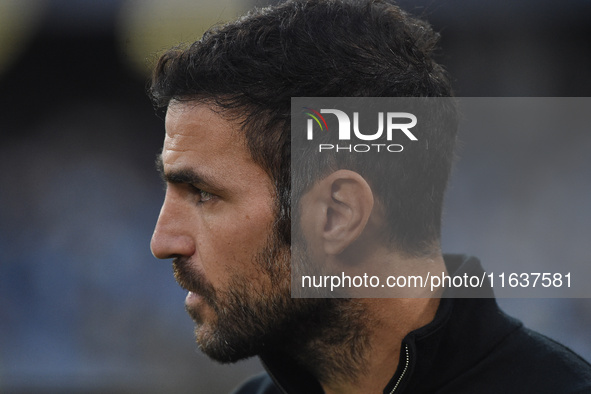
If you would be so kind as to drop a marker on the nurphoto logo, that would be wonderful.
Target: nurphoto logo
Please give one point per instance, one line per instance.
(395, 122)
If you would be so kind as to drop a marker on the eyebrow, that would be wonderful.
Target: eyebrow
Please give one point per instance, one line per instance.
(185, 176)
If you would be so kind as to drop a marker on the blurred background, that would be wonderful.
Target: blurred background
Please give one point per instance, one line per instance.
(84, 307)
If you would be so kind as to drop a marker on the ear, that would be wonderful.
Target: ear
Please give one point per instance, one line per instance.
(337, 211)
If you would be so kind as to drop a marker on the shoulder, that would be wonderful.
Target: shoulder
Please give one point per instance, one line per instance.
(526, 361)
(549, 364)
(258, 384)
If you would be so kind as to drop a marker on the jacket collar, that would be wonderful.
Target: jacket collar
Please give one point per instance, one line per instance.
(433, 354)
(462, 333)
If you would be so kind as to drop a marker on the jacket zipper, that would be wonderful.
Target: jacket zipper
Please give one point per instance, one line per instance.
(279, 386)
(403, 371)
(407, 362)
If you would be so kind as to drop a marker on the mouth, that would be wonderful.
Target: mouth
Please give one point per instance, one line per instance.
(192, 298)
(193, 306)
(194, 282)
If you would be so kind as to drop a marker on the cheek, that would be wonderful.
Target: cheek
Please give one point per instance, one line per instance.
(228, 244)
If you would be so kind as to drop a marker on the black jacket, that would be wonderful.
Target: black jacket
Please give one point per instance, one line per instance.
(471, 346)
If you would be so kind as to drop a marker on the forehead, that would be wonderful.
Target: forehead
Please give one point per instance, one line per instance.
(200, 139)
(196, 133)
(190, 124)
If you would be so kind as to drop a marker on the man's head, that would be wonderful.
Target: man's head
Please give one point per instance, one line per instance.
(251, 68)
(228, 102)
(218, 224)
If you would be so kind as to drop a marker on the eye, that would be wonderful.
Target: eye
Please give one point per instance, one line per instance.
(202, 195)
(205, 196)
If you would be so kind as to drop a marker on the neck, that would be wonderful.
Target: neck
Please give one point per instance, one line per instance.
(356, 348)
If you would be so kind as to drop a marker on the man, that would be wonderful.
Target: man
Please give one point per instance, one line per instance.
(226, 218)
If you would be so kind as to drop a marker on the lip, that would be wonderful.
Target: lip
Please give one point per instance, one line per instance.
(194, 305)
(193, 299)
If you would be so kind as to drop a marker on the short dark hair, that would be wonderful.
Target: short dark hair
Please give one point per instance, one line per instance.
(252, 67)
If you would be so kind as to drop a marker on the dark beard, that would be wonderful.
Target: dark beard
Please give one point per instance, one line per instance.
(329, 337)
(249, 320)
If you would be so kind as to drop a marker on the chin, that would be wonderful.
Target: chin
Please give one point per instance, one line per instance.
(221, 350)
(224, 342)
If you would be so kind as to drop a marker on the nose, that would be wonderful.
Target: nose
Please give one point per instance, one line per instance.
(172, 235)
